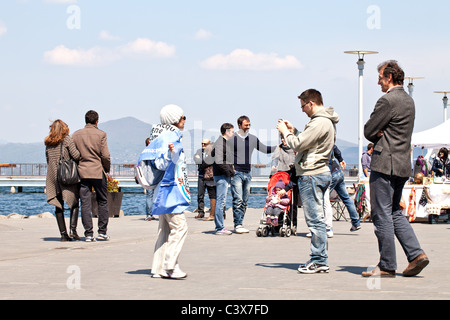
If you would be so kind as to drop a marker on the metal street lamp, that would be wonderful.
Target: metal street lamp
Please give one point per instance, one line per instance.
(445, 100)
(411, 85)
(360, 63)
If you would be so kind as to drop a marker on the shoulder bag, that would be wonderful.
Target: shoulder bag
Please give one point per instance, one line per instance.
(67, 171)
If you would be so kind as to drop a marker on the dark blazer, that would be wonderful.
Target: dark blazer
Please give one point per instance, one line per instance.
(394, 114)
(95, 158)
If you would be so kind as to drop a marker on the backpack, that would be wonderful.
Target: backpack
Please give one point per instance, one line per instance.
(151, 167)
(147, 175)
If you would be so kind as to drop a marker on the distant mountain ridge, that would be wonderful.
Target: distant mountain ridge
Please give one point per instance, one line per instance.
(126, 140)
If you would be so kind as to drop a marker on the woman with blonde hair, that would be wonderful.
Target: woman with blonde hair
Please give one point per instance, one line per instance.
(59, 142)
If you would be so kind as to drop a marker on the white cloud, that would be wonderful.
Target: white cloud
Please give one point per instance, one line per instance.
(80, 57)
(105, 35)
(3, 29)
(148, 47)
(244, 59)
(203, 34)
(98, 56)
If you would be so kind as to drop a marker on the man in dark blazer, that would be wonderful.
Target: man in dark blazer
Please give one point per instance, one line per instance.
(390, 128)
(94, 165)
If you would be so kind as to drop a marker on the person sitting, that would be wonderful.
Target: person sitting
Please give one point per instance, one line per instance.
(441, 164)
(276, 203)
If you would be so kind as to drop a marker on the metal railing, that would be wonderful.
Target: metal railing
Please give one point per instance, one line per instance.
(124, 170)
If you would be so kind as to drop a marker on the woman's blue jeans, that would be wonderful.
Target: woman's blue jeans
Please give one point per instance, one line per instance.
(311, 190)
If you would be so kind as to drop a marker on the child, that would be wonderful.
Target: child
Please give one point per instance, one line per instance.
(275, 204)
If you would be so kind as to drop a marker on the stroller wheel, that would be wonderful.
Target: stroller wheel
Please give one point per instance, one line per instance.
(258, 232)
(265, 232)
(288, 232)
(282, 232)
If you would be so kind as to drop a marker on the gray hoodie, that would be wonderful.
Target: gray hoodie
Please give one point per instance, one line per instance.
(315, 143)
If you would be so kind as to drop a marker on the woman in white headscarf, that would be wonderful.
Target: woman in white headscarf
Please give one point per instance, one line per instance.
(172, 229)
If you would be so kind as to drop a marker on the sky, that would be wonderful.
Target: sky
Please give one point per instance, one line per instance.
(217, 60)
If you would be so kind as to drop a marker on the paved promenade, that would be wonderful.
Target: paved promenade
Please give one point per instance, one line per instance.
(34, 264)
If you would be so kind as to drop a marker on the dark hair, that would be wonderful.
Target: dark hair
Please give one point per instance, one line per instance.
(392, 67)
(369, 146)
(91, 117)
(147, 141)
(224, 127)
(445, 152)
(311, 95)
(241, 119)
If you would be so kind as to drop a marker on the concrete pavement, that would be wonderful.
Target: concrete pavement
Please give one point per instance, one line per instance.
(34, 264)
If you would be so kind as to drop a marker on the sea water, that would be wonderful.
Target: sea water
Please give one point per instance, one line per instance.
(33, 200)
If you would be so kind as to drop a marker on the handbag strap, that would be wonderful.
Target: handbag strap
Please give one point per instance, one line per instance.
(61, 154)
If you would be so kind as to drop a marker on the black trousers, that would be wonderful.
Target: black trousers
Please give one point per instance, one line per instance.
(100, 188)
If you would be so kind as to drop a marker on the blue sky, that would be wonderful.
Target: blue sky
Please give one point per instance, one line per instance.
(215, 59)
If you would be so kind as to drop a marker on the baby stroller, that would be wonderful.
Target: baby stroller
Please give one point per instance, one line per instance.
(284, 228)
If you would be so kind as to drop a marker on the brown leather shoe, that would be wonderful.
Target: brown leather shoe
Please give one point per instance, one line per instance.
(377, 272)
(416, 266)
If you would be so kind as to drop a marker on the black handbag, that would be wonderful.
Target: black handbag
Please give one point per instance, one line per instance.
(67, 171)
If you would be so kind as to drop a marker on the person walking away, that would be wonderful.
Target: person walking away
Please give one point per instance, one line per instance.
(57, 141)
(243, 144)
(223, 173)
(93, 168)
(313, 146)
(205, 180)
(390, 127)
(338, 184)
(170, 202)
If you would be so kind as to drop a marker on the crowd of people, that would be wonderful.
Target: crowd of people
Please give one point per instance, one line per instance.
(310, 156)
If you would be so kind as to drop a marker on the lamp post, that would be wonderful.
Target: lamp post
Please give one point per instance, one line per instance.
(411, 85)
(445, 100)
(360, 63)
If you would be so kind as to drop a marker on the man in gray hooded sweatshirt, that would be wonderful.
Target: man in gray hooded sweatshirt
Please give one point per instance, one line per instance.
(313, 147)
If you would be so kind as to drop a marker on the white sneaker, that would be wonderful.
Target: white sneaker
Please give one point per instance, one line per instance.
(312, 267)
(330, 233)
(240, 229)
(224, 231)
(103, 237)
(89, 239)
(176, 273)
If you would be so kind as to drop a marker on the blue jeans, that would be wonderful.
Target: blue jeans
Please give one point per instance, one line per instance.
(221, 197)
(149, 202)
(240, 189)
(311, 190)
(338, 184)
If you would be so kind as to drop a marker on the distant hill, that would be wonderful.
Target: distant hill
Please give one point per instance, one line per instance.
(126, 140)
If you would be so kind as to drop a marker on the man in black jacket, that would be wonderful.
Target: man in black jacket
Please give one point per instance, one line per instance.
(390, 128)
(223, 171)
